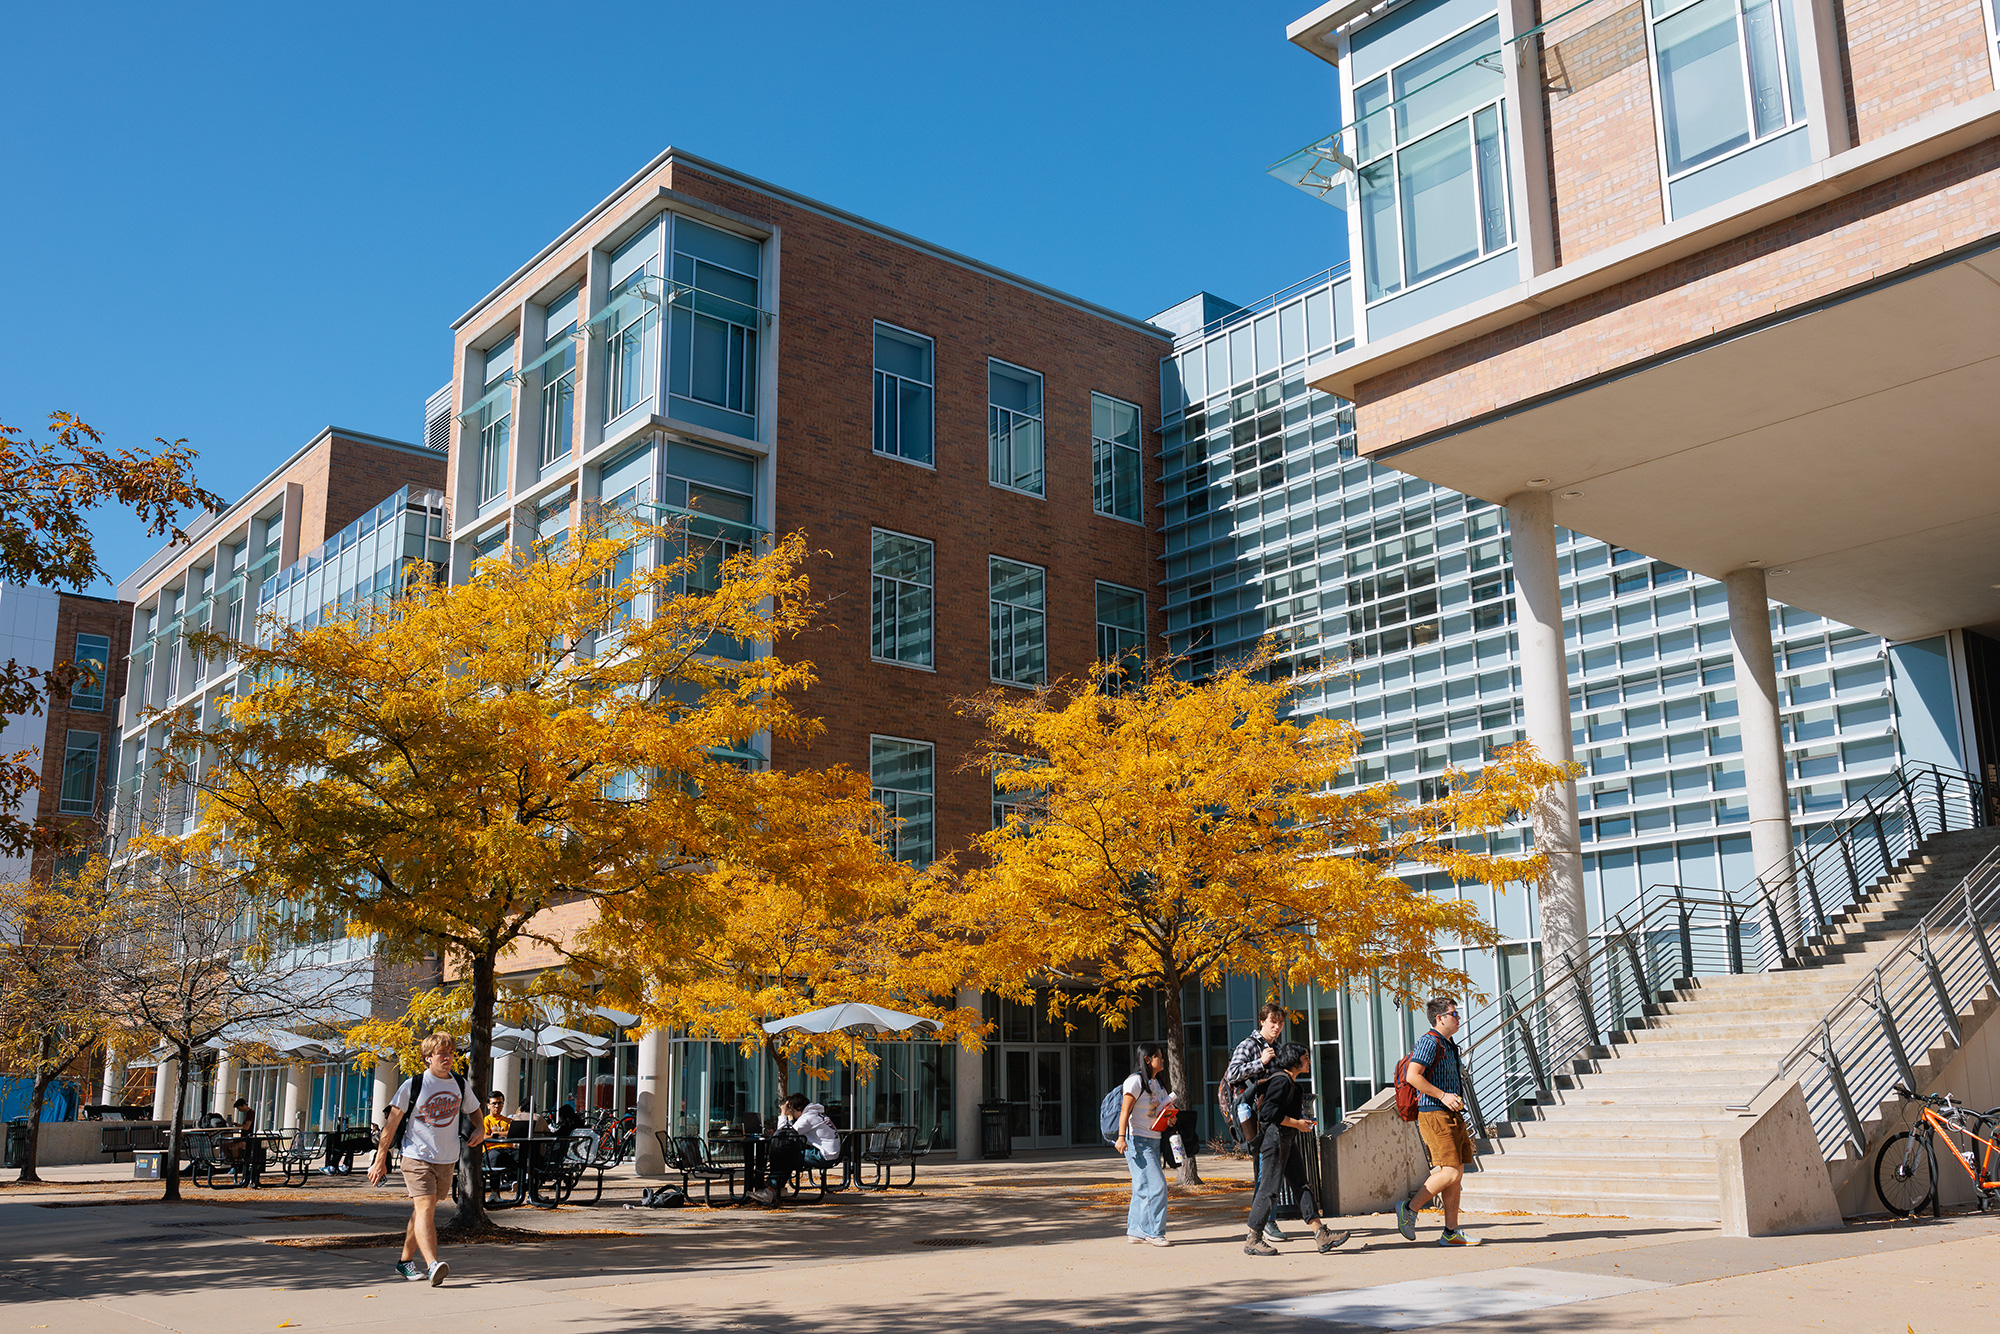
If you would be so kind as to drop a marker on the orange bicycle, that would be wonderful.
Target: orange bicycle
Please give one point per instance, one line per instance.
(1906, 1168)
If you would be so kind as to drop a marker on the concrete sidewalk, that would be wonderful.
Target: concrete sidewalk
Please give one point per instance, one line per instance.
(1034, 1244)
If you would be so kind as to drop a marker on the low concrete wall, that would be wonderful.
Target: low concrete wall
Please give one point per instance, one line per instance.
(1379, 1157)
(1768, 1165)
(69, 1143)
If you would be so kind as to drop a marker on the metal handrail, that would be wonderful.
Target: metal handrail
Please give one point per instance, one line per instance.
(1674, 932)
(1870, 1039)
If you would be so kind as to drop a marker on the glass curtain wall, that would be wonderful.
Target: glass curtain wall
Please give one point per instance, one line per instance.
(1391, 602)
(716, 1086)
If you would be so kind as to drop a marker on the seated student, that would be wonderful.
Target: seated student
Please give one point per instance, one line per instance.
(568, 1118)
(816, 1144)
(500, 1159)
(247, 1151)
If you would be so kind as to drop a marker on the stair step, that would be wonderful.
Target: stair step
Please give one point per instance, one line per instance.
(1599, 1204)
(1585, 1180)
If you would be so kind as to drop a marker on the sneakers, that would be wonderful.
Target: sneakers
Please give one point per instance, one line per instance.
(1156, 1241)
(1256, 1245)
(410, 1270)
(1273, 1235)
(1451, 1238)
(1406, 1220)
(765, 1194)
(440, 1271)
(1135, 1239)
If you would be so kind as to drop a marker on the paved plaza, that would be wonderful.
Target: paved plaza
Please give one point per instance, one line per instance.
(1030, 1244)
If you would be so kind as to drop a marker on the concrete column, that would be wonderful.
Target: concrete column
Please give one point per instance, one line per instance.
(165, 1076)
(652, 1113)
(298, 1097)
(1538, 618)
(113, 1089)
(225, 1086)
(968, 1074)
(1763, 744)
(387, 1077)
(506, 1078)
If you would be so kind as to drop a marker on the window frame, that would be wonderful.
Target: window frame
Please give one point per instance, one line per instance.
(1782, 11)
(992, 640)
(92, 703)
(1138, 457)
(70, 751)
(931, 664)
(1102, 625)
(1040, 419)
(874, 410)
(1393, 154)
(891, 836)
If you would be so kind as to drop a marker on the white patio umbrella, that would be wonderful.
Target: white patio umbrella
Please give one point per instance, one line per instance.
(853, 1018)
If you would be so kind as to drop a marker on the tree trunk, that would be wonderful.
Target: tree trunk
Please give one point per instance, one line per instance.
(1188, 1174)
(170, 1167)
(471, 1215)
(782, 1061)
(43, 1078)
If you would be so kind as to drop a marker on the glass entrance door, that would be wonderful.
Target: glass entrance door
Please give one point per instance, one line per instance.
(1037, 1108)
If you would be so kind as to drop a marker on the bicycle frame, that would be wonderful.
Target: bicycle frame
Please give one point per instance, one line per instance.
(1937, 1122)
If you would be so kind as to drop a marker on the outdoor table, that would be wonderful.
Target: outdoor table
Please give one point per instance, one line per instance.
(536, 1153)
(753, 1151)
(853, 1148)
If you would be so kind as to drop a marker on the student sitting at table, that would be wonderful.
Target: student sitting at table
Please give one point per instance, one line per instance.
(500, 1159)
(813, 1142)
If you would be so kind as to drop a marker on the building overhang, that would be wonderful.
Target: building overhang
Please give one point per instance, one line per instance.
(1851, 447)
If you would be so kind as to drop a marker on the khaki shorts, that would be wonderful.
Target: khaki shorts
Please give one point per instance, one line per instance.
(1446, 1138)
(427, 1180)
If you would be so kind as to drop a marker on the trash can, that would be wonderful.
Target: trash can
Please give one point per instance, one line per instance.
(996, 1139)
(17, 1144)
(147, 1164)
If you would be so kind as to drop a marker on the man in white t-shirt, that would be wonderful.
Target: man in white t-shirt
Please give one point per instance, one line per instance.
(430, 1142)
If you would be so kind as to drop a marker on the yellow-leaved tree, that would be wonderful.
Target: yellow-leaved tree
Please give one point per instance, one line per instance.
(1168, 832)
(484, 768)
(816, 914)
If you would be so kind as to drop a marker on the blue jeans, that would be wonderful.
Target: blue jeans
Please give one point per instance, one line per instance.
(1148, 1215)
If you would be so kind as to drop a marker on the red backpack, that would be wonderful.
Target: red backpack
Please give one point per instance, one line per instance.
(1406, 1096)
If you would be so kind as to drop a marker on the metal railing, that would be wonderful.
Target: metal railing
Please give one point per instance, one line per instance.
(1870, 1039)
(1572, 1006)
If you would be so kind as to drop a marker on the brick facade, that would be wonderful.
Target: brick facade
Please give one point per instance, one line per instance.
(1906, 59)
(1899, 222)
(1604, 156)
(79, 615)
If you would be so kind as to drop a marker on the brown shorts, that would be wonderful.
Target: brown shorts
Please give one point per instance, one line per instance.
(1446, 1138)
(427, 1180)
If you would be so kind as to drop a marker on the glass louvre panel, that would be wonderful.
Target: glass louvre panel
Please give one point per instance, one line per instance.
(1767, 90)
(1447, 80)
(1015, 604)
(900, 623)
(79, 778)
(900, 773)
(1701, 84)
(1439, 204)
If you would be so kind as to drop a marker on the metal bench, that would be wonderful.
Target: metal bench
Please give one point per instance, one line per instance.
(114, 1140)
(295, 1156)
(685, 1154)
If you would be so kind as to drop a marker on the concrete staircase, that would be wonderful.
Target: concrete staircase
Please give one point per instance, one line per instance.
(1631, 1130)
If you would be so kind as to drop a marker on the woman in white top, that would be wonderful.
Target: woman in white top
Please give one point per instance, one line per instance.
(1145, 1097)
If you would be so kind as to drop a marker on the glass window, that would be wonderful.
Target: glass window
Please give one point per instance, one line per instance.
(79, 778)
(93, 654)
(1728, 75)
(1430, 138)
(1114, 457)
(1121, 625)
(629, 323)
(901, 619)
(496, 420)
(1015, 604)
(555, 373)
(1022, 801)
(901, 772)
(715, 323)
(904, 383)
(1014, 427)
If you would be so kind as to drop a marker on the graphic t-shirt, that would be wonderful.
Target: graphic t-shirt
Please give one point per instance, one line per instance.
(1147, 1099)
(1439, 1058)
(433, 1134)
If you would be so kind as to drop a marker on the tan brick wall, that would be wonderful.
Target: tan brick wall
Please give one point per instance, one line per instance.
(1889, 226)
(86, 616)
(1604, 162)
(1909, 58)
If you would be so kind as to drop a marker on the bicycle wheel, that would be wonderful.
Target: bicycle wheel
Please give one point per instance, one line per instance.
(1906, 1173)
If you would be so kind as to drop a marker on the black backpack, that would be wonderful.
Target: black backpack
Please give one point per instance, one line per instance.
(410, 1112)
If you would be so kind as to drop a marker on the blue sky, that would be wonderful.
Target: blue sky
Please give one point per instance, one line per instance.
(239, 224)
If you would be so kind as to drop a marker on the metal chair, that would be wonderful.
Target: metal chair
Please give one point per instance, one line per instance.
(295, 1156)
(896, 1147)
(687, 1155)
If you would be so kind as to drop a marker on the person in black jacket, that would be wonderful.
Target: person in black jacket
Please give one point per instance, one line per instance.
(1276, 1104)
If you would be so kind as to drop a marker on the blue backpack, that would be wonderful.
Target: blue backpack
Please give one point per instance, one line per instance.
(1107, 1115)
